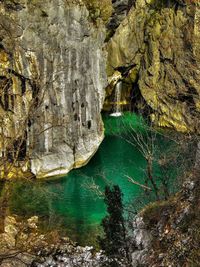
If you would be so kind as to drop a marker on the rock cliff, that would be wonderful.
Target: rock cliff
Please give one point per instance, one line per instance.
(156, 50)
(167, 233)
(52, 82)
(53, 73)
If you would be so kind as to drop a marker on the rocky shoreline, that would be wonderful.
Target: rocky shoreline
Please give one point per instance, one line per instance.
(22, 244)
(165, 233)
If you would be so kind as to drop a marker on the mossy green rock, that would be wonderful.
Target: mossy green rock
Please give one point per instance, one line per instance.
(163, 42)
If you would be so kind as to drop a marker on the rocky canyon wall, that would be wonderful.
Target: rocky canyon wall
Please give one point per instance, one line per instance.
(156, 50)
(53, 68)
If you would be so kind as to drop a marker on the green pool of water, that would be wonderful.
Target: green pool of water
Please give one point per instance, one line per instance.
(74, 203)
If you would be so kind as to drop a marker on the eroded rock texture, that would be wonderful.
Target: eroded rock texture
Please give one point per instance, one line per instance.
(52, 55)
(120, 10)
(156, 48)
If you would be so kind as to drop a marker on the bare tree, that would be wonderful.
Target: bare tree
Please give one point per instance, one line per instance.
(167, 154)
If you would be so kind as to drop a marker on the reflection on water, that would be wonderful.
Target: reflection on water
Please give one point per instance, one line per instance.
(74, 202)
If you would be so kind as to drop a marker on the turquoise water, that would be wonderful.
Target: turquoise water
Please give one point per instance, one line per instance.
(74, 203)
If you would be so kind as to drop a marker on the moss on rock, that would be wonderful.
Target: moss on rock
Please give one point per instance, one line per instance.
(99, 9)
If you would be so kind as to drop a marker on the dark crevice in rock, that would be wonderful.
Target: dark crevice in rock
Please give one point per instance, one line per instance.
(1, 45)
(44, 14)
(22, 79)
(23, 85)
(12, 5)
(35, 89)
(138, 103)
(89, 123)
(75, 117)
(120, 10)
(5, 95)
(125, 69)
(160, 4)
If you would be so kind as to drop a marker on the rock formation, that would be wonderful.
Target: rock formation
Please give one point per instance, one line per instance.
(170, 230)
(156, 49)
(53, 70)
(22, 244)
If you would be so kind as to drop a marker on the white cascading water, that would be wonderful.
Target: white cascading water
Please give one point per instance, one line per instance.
(117, 107)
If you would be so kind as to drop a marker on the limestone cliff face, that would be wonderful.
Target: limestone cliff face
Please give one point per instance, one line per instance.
(156, 49)
(52, 55)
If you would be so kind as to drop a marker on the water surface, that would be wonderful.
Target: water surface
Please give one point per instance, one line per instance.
(74, 203)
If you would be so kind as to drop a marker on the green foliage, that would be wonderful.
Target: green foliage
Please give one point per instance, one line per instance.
(114, 240)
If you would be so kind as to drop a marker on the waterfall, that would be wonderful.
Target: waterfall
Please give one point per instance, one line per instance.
(118, 93)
